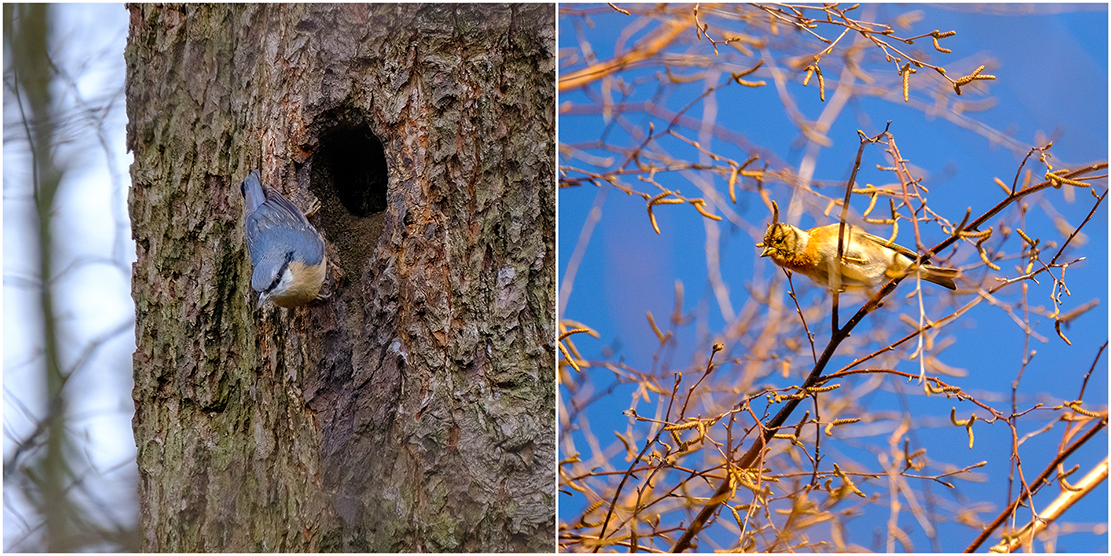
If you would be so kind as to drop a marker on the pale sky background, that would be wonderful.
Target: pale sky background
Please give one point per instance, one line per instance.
(92, 291)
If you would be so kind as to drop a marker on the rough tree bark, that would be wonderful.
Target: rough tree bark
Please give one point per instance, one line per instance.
(414, 409)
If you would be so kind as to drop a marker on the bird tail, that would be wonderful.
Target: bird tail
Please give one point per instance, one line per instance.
(252, 191)
(940, 275)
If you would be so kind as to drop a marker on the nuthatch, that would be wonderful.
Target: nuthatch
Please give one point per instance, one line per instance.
(287, 253)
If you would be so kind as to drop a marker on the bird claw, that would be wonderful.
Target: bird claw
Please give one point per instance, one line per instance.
(313, 209)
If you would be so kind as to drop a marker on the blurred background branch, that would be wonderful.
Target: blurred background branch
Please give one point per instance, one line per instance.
(69, 469)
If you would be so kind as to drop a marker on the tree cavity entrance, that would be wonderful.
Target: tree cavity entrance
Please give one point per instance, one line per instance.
(356, 163)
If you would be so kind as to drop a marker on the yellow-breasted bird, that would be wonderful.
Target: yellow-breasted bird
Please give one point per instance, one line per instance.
(868, 261)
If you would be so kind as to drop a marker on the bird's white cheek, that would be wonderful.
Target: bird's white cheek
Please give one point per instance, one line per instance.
(283, 284)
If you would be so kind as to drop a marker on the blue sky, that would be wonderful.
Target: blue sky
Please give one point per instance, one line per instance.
(1051, 69)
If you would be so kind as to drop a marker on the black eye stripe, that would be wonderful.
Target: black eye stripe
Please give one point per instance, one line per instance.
(281, 271)
(274, 284)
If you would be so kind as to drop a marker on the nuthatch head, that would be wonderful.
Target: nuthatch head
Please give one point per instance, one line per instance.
(287, 253)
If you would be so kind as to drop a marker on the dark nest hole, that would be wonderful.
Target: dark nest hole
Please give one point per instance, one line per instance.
(350, 175)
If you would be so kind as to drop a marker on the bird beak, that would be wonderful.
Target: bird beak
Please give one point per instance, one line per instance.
(261, 299)
(765, 252)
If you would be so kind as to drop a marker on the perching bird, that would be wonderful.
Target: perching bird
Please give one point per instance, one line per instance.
(868, 261)
(287, 253)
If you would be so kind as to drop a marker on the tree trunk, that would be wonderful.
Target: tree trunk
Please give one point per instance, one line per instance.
(414, 409)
